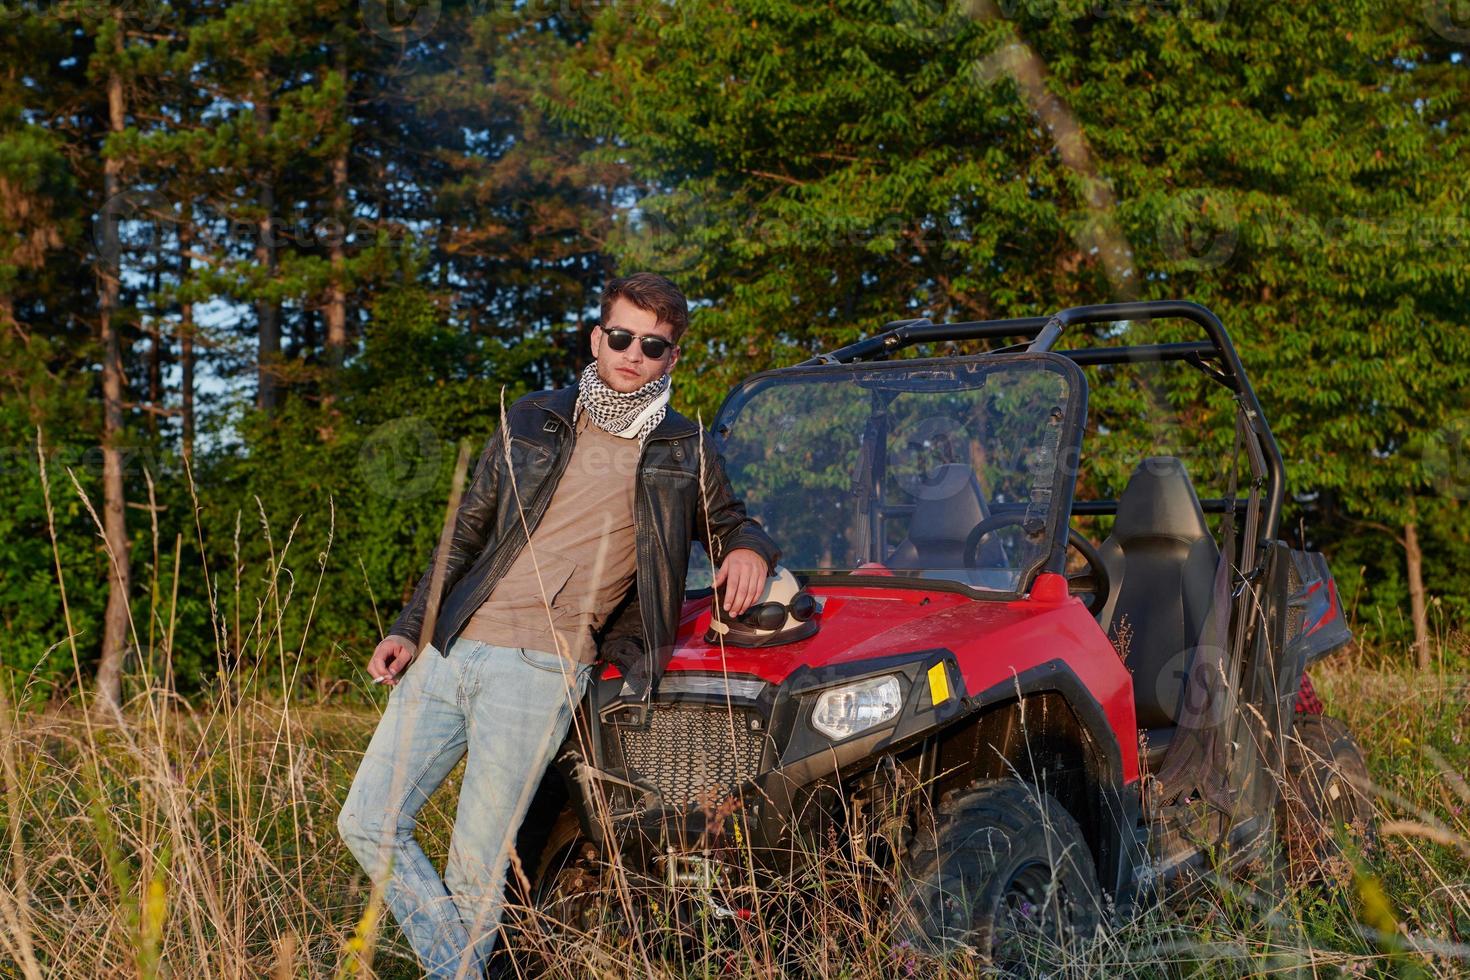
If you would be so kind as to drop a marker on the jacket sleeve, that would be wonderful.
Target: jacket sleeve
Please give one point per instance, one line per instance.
(622, 643)
(721, 523)
(472, 521)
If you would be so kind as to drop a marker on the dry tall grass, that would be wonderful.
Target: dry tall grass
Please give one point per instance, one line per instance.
(198, 840)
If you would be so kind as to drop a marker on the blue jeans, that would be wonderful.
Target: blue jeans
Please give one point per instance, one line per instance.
(508, 708)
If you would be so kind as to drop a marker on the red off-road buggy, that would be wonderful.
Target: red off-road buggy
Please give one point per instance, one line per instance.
(1014, 721)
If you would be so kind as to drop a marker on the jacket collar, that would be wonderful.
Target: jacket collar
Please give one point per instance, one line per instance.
(674, 426)
(562, 401)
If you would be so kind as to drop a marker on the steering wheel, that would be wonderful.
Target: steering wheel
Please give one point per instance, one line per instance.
(1094, 581)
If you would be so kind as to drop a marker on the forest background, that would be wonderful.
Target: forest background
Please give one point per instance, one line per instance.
(265, 265)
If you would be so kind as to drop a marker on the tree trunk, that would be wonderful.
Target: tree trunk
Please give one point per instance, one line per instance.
(115, 620)
(267, 313)
(186, 343)
(1414, 559)
(155, 369)
(336, 307)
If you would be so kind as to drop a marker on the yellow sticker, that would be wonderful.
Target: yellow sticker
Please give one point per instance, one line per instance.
(938, 684)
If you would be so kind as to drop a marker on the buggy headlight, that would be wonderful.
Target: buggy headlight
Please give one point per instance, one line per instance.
(856, 707)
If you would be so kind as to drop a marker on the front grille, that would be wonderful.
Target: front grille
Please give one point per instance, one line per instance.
(687, 750)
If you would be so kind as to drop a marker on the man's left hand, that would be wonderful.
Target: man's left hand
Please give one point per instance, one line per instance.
(743, 575)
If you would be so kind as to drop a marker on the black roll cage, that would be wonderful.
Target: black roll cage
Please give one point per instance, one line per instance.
(1216, 357)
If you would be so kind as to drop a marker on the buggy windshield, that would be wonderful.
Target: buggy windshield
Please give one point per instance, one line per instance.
(892, 467)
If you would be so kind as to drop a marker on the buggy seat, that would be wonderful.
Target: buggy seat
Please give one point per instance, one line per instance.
(950, 503)
(1161, 560)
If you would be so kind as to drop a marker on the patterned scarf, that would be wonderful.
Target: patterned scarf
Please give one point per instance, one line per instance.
(632, 414)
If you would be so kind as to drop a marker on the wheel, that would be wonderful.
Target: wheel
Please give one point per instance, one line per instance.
(569, 880)
(1005, 873)
(566, 897)
(1324, 801)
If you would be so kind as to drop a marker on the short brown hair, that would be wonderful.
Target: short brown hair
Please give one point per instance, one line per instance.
(653, 293)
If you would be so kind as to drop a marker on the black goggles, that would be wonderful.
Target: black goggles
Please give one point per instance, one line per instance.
(654, 347)
(772, 615)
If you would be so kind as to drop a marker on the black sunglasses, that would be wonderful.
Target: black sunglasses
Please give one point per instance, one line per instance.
(772, 615)
(654, 347)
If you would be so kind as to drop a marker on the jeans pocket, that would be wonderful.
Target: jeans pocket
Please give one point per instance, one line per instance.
(546, 660)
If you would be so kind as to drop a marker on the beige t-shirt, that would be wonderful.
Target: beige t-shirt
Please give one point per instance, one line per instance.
(581, 558)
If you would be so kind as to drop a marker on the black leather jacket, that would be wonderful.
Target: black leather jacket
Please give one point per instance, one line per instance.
(669, 511)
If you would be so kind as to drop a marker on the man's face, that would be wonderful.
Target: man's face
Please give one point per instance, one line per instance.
(631, 369)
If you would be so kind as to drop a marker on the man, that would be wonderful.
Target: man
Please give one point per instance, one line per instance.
(576, 527)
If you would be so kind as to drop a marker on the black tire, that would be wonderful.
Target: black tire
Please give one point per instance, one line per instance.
(567, 874)
(1324, 800)
(1006, 874)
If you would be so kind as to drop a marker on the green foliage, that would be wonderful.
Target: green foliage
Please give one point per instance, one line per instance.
(457, 188)
(413, 190)
(358, 494)
(813, 171)
(35, 655)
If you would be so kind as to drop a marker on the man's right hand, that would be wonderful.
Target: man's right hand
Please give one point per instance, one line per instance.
(391, 659)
